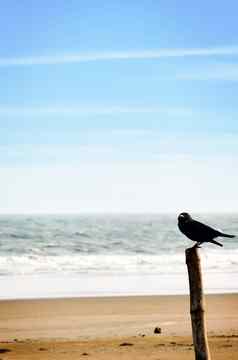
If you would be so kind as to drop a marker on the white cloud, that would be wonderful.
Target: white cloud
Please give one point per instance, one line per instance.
(118, 55)
(92, 110)
(220, 72)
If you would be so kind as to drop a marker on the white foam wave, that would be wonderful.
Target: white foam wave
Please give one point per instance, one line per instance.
(213, 260)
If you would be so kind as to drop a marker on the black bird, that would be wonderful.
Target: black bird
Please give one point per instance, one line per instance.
(198, 231)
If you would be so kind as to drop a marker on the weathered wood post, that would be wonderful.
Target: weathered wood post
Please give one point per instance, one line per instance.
(197, 304)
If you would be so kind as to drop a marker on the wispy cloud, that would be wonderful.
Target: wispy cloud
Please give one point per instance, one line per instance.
(118, 55)
(220, 72)
(92, 110)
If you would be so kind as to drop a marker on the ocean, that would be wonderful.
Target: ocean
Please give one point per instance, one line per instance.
(106, 255)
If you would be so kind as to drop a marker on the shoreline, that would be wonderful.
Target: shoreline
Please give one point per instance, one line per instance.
(112, 296)
(46, 286)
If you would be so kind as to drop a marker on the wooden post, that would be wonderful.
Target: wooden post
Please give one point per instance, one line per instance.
(197, 305)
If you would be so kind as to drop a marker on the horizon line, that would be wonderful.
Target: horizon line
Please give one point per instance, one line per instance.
(118, 55)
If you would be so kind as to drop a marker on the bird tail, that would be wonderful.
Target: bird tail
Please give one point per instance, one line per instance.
(227, 235)
(215, 242)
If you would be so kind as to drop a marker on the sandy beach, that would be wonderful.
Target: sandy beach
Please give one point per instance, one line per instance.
(114, 327)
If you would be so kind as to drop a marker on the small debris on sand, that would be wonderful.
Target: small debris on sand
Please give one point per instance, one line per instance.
(126, 344)
(157, 330)
(3, 351)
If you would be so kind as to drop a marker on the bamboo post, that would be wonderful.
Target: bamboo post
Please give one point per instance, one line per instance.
(197, 304)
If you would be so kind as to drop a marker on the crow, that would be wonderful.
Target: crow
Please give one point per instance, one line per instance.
(198, 231)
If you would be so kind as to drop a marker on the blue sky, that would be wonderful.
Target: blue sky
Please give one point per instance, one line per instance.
(118, 106)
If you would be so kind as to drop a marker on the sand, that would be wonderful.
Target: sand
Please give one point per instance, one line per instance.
(114, 328)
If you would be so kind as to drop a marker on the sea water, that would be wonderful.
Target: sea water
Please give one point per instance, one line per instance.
(104, 255)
